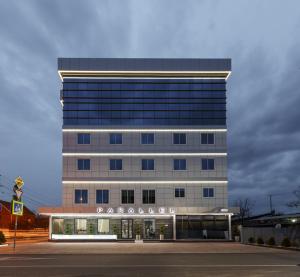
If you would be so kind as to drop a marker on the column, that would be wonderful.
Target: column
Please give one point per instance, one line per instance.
(229, 227)
(174, 227)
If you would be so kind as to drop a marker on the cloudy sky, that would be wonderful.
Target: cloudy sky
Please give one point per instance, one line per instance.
(261, 37)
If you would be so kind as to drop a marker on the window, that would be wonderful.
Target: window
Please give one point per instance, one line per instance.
(83, 164)
(102, 196)
(179, 164)
(208, 164)
(147, 138)
(83, 138)
(81, 196)
(127, 196)
(208, 192)
(115, 138)
(147, 164)
(179, 138)
(103, 226)
(149, 196)
(207, 138)
(115, 164)
(179, 192)
(81, 225)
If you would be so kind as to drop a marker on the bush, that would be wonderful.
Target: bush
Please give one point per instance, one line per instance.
(271, 241)
(2, 238)
(251, 240)
(260, 241)
(286, 242)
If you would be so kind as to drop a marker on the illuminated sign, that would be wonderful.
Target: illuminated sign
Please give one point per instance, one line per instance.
(132, 210)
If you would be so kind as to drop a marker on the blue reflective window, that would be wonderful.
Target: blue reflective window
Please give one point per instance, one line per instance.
(147, 138)
(208, 192)
(179, 192)
(179, 164)
(102, 196)
(147, 164)
(208, 164)
(115, 138)
(207, 138)
(83, 138)
(115, 164)
(83, 164)
(81, 196)
(179, 138)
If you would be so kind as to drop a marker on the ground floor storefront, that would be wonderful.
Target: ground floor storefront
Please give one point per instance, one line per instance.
(145, 227)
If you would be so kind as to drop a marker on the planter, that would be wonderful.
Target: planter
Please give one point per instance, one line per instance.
(237, 238)
(161, 237)
(137, 237)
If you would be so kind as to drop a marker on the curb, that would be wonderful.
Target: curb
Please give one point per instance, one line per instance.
(274, 246)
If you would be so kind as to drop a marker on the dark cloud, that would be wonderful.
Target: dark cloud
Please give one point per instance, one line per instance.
(263, 91)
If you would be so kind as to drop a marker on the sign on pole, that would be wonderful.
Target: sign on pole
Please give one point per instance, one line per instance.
(17, 208)
(16, 203)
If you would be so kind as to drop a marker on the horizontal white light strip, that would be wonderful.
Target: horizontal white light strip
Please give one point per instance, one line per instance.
(66, 237)
(145, 182)
(60, 72)
(82, 214)
(142, 130)
(143, 154)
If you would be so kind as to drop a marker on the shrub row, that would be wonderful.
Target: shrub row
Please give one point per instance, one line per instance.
(271, 241)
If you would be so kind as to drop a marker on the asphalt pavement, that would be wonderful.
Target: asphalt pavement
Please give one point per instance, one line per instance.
(252, 261)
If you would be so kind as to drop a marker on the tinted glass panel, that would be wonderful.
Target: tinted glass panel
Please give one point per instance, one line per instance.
(115, 164)
(147, 138)
(83, 138)
(179, 164)
(81, 196)
(83, 164)
(144, 102)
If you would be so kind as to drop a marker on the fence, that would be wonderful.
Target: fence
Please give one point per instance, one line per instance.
(291, 231)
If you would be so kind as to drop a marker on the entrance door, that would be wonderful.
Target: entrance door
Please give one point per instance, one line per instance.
(126, 228)
(149, 228)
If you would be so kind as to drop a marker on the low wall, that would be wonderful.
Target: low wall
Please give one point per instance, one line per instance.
(292, 232)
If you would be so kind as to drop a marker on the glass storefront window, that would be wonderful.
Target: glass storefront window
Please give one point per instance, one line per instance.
(81, 225)
(57, 226)
(91, 226)
(103, 226)
(68, 226)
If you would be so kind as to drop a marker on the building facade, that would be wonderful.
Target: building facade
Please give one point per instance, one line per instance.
(144, 149)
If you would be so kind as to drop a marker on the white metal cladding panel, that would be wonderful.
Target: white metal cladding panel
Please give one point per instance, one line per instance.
(164, 194)
(132, 143)
(132, 168)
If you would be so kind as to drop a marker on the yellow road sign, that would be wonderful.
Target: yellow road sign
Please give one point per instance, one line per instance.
(19, 182)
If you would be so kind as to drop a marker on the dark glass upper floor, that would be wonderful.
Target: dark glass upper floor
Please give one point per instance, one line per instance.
(144, 101)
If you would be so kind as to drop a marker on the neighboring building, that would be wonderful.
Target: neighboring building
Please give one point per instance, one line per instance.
(144, 148)
(7, 220)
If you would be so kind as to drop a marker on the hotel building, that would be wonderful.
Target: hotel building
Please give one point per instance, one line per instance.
(144, 150)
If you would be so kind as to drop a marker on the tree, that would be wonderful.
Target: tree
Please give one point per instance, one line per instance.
(246, 206)
(295, 203)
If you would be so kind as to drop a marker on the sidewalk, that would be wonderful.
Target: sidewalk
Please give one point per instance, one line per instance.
(133, 248)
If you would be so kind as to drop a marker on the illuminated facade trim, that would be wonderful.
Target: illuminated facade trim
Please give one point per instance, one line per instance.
(98, 130)
(143, 154)
(145, 182)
